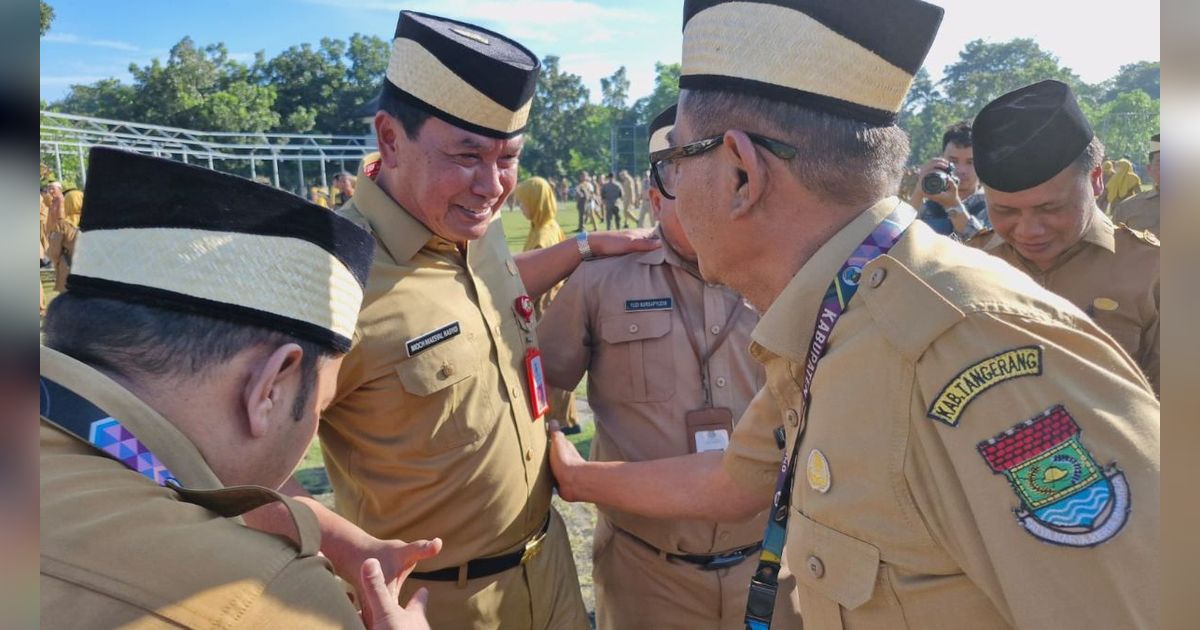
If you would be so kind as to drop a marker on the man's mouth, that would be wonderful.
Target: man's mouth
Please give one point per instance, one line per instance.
(478, 213)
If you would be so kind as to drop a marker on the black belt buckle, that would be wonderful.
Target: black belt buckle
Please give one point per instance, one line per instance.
(724, 561)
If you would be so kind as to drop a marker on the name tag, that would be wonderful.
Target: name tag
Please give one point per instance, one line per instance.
(717, 440)
(653, 304)
(420, 344)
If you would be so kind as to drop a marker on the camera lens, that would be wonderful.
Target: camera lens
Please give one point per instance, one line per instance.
(935, 183)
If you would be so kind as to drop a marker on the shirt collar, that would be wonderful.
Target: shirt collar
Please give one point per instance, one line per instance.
(398, 231)
(157, 434)
(786, 327)
(1101, 232)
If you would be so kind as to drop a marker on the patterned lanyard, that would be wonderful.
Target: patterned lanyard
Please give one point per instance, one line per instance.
(760, 606)
(76, 415)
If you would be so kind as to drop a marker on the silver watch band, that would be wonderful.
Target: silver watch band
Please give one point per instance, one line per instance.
(585, 250)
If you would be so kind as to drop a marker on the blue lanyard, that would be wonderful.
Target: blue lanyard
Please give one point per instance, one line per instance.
(760, 605)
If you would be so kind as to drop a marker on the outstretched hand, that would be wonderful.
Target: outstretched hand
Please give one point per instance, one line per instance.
(381, 607)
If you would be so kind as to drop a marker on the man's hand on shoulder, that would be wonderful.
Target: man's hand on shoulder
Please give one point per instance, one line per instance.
(620, 242)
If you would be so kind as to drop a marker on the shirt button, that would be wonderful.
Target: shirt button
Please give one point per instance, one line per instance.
(816, 568)
(877, 277)
(720, 381)
(716, 330)
(633, 328)
(528, 454)
(516, 392)
(793, 418)
(448, 370)
(496, 328)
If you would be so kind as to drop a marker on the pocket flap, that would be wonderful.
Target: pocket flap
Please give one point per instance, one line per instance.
(845, 567)
(628, 327)
(438, 367)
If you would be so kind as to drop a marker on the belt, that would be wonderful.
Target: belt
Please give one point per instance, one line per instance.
(705, 562)
(483, 567)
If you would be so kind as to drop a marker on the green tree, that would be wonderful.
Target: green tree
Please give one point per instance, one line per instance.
(561, 130)
(106, 98)
(307, 82)
(985, 71)
(665, 94)
(1125, 125)
(46, 17)
(1142, 75)
(614, 90)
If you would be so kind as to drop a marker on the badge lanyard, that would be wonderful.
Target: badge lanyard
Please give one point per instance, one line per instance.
(702, 358)
(76, 415)
(760, 606)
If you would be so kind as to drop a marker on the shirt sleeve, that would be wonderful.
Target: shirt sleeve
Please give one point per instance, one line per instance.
(565, 333)
(304, 594)
(753, 456)
(1034, 463)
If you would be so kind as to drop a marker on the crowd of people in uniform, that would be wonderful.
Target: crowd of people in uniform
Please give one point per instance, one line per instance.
(817, 402)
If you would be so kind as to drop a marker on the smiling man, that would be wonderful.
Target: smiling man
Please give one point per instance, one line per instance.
(436, 424)
(1041, 162)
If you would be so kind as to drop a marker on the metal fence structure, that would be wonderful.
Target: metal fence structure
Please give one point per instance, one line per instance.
(291, 161)
(629, 146)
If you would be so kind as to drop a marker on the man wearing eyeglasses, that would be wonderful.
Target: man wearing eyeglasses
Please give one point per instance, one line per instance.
(668, 375)
(942, 442)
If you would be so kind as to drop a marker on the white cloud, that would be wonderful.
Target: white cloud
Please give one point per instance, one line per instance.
(70, 38)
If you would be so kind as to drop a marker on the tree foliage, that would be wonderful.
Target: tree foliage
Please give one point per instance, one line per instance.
(46, 17)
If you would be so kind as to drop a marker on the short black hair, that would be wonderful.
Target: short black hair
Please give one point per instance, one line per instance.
(130, 339)
(410, 117)
(1092, 156)
(959, 133)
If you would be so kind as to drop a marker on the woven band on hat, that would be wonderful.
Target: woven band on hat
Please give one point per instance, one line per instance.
(471, 77)
(1026, 137)
(176, 236)
(660, 127)
(843, 58)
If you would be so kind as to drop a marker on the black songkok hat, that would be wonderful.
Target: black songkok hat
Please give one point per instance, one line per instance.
(468, 76)
(854, 59)
(181, 237)
(662, 124)
(1028, 136)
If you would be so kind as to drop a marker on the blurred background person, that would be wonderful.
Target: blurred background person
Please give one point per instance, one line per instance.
(1140, 212)
(947, 190)
(1123, 184)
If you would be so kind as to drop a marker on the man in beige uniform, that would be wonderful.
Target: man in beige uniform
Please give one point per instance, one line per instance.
(436, 425)
(1047, 225)
(631, 193)
(160, 392)
(974, 451)
(1141, 212)
(639, 325)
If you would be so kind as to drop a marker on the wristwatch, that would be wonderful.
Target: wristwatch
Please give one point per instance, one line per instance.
(585, 250)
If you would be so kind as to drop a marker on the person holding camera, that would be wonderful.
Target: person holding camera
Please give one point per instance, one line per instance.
(947, 192)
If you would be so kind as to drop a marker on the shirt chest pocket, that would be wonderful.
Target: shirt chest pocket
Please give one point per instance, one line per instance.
(840, 579)
(637, 362)
(448, 402)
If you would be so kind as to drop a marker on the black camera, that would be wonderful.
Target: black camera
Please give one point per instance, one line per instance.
(938, 181)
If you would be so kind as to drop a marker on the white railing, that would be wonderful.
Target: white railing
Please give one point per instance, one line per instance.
(72, 136)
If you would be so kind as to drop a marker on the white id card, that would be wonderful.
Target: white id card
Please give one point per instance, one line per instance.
(717, 440)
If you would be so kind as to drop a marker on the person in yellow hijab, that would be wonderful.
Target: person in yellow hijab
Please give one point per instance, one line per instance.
(536, 198)
(1123, 184)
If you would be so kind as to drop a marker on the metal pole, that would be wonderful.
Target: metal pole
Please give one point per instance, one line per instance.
(58, 161)
(275, 169)
(210, 162)
(252, 173)
(300, 170)
(185, 154)
(82, 166)
(324, 180)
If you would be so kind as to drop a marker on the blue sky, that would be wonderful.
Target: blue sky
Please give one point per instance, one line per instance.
(95, 39)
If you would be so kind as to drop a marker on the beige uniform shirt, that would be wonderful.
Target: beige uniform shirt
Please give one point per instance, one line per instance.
(430, 433)
(117, 550)
(643, 375)
(1140, 212)
(1112, 274)
(73, 206)
(60, 249)
(910, 503)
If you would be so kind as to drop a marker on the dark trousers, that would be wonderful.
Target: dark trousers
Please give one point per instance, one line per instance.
(613, 214)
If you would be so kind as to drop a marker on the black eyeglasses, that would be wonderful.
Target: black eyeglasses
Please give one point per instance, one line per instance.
(659, 159)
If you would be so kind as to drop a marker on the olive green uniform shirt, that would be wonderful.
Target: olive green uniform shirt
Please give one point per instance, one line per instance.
(898, 519)
(117, 550)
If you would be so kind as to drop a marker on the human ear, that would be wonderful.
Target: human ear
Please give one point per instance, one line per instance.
(387, 136)
(750, 169)
(263, 398)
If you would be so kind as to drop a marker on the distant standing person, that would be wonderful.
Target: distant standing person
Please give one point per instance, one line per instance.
(630, 192)
(611, 193)
(1123, 184)
(960, 209)
(1140, 212)
(343, 189)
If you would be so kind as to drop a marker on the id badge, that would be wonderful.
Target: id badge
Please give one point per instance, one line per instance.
(709, 429)
(539, 400)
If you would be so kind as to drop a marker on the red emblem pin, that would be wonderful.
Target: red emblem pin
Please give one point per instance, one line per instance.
(524, 308)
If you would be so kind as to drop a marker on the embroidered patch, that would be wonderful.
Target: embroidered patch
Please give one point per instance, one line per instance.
(420, 344)
(653, 304)
(1066, 498)
(819, 478)
(967, 385)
